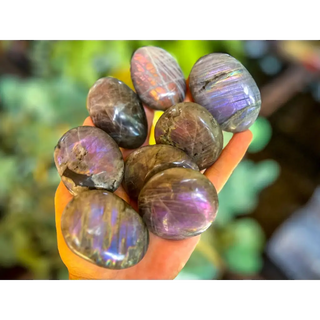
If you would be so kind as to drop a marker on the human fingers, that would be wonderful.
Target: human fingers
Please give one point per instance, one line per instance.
(230, 157)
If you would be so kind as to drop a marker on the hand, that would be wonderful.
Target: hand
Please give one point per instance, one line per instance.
(164, 258)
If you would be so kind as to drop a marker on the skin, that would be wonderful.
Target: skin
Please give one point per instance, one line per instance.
(164, 258)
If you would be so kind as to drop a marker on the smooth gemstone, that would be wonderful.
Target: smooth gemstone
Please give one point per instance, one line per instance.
(86, 158)
(146, 161)
(103, 229)
(157, 78)
(178, 203)
(191, 128)
(116, 109)
(224, 86)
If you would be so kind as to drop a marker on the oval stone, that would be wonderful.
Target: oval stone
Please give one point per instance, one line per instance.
(178, 203)
(116, 109)
(157, 78)
(86, 158)
(146, 161)
(224, 86)
(102, 228)
(191, 128)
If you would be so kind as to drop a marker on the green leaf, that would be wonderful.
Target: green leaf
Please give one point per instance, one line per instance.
(243, 253)
(10, 92)
(243, 261)
(235, 48)
(187, 52)
(28, 255)
(247, 233)
(240, 194)
(262, 132)
(266, 173)
(63, 273)
(86, 61)
(8, 170)
(197, 268)
(8, 255)
(226, 137)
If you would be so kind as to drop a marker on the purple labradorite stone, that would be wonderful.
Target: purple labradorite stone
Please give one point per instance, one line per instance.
(103, 229)
(224, 86)
(191, 128)
(88, 158)
(157, 78)
(178, 203)
(146, 161)
(116, 109)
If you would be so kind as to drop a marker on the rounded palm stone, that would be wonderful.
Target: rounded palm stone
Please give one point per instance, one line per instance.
(86, 158)
(178, 203)
(103, 229)
(191, 128)
(116, 109)
(224, 86)
(157, 78)
(146, 161)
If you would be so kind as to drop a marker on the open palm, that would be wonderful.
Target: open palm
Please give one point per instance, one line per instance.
(164, 258)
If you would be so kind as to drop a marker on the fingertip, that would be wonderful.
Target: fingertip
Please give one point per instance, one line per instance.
(88, 122)
(244, 138)
(249, 135)
(230, 157)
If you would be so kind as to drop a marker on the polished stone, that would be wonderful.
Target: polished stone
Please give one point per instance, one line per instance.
(87, 157)
(178, 203)
(103, 229)
(157, 78)
(146, 161)
(117, 110)
(224, 86)
(191, 128)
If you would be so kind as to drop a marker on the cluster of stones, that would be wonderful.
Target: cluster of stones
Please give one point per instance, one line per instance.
(175, 199)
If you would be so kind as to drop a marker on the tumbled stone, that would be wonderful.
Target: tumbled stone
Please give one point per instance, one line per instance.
(103, 229)
(116, 109)
(224, 86)
(157, 78)
(146, 161)
(87, 157)
(191, 128)
(178, 203)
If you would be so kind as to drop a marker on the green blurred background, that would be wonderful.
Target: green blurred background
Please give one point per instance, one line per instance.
(43, 89)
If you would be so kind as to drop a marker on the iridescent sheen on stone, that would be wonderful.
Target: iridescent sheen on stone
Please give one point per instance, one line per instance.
(157, 78)
(178, 203)
(191, 128)
(102, 228)
(116, 109)
(224, 86)
(146, 161)
(86, 158)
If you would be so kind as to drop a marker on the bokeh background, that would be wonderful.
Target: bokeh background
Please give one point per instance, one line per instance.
(268, 225)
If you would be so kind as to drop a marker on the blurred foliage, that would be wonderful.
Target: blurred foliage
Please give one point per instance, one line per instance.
(86, 61)
(240, 194)
(236, 244)
(36, 110)
(262, 131)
